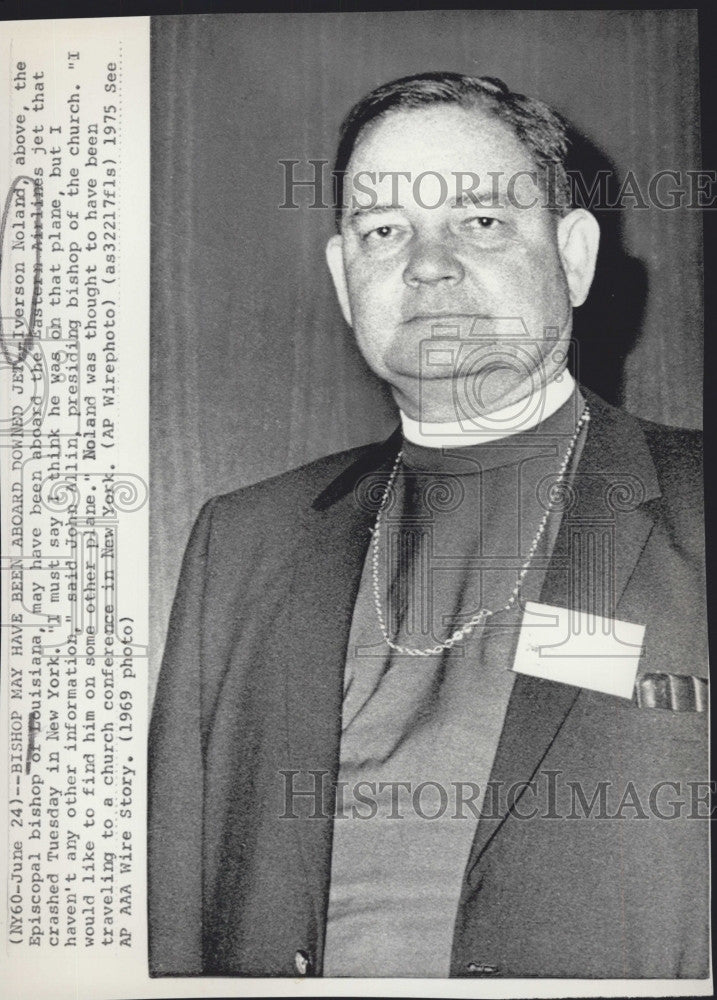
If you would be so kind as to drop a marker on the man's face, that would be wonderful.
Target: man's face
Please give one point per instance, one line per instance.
(482, 271)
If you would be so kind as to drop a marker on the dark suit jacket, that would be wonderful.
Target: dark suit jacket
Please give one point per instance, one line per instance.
(251, 686)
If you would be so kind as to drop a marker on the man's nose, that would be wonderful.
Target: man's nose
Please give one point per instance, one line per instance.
(431, 262)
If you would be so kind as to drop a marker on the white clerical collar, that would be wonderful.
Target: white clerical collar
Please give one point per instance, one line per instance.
(513, 419)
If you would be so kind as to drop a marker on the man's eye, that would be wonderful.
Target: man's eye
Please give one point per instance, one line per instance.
(482, 222)
(380, 233)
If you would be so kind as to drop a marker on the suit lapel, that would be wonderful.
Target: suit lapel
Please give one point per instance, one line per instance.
(316, 622)
(327, 567)
(601, 537)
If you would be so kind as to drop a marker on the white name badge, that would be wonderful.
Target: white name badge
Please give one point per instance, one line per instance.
(578, 648)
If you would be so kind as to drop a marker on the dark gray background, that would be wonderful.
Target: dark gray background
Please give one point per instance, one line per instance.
(253, 370)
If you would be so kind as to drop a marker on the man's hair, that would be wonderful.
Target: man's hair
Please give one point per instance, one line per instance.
(541, 130)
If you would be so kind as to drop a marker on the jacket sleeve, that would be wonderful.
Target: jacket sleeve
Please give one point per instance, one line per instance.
(176, 777)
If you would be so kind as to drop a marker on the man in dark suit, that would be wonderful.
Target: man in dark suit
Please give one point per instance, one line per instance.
(436, 706)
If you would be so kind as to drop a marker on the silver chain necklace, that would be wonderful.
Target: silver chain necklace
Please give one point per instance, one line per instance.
(484, 614)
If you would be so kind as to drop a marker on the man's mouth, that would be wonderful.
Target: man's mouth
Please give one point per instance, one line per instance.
(446, 315)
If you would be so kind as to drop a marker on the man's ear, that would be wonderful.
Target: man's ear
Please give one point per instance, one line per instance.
(578, 241)
(335, 260)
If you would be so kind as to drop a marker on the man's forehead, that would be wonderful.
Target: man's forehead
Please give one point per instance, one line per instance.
(440, 137)
(439, 156)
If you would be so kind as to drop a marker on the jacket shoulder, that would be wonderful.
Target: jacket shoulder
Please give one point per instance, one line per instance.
(678, 458)
(289, 492)
(673, 454)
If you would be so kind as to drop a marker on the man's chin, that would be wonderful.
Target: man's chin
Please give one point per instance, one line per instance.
(453, 394)
(436, 360)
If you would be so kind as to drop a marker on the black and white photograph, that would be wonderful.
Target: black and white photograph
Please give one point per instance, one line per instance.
(354, 451)
(431, 706)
